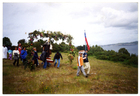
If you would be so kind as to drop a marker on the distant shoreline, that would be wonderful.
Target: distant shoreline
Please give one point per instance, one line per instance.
(122, 44)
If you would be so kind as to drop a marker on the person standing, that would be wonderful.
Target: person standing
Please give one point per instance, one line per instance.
(16, 56)
(10, 53)
(80, 65)
(23, 56)
(57, 58)
(5, 50)
(35, 57)
(86, 62)
(43, 58)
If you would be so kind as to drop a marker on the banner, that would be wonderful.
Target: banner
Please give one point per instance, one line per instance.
(87, 42)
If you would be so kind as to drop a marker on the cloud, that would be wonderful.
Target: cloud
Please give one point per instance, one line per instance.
(110, 17)
(100, 20)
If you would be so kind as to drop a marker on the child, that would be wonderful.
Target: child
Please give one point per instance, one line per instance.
(80, 65)
(10, 53)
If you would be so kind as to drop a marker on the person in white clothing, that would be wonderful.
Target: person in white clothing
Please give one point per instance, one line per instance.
(16, 56)
(5, 50)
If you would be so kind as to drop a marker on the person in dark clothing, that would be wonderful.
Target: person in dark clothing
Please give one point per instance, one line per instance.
(43, 58)
(47, 48)
(57, 58)
(86, 62)
(35, 57)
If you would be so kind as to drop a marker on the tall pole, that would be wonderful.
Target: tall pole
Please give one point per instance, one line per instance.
(85, 40)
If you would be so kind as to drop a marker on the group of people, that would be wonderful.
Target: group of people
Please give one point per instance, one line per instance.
(16, 54)
(21, 53)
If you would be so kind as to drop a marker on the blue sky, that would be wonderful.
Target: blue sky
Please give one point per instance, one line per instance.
(105, 23)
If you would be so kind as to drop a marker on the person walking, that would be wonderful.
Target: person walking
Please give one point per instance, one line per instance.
(80, 65)
(16, 56)
(57, 58)
(86, 62)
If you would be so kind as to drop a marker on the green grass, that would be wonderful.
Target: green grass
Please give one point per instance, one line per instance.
(105, 77)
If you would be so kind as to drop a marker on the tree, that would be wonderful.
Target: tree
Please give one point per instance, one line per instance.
(7, 42)
(123, 51)
(22, 41)
(55, 47)
(38, 45)
(81, 47)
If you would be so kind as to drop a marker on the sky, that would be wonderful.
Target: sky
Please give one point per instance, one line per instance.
(103, 22)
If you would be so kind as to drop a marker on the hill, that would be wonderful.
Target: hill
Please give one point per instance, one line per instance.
(122, 44)
(105, 77)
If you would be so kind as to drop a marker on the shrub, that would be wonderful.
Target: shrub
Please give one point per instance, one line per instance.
(133, 61)
(103, 57)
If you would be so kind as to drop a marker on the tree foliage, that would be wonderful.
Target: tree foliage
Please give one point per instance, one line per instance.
(22, 41)
(53, 36)
(7, 42)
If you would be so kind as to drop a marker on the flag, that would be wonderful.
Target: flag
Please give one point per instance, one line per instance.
(87, 42)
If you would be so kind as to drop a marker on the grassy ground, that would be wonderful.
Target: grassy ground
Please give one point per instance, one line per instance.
(106, 77)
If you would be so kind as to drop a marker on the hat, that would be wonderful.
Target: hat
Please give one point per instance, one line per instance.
(80, 52)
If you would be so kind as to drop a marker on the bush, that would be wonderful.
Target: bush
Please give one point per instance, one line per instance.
(123, 57)
(114, 58)
(90, 53)
(133, 61)
(103, 57)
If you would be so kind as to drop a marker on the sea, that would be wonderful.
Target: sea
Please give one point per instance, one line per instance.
(132, 49)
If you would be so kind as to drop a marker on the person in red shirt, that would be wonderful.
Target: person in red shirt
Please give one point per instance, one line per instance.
(19, 49)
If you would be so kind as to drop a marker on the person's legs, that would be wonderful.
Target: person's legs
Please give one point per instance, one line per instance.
(55, 62)
(58, 63)
(78, 70)
(10, 56)
(37, 62)
(17, 62)
(86, 65)
(88, 69)
(83, 70)
(14, 62)
(25, 63)
(45, 64)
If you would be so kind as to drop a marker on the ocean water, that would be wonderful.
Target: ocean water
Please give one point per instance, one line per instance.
(132, 49)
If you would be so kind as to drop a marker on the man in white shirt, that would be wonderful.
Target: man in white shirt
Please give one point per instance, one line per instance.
(5, 50)
(16, 56)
